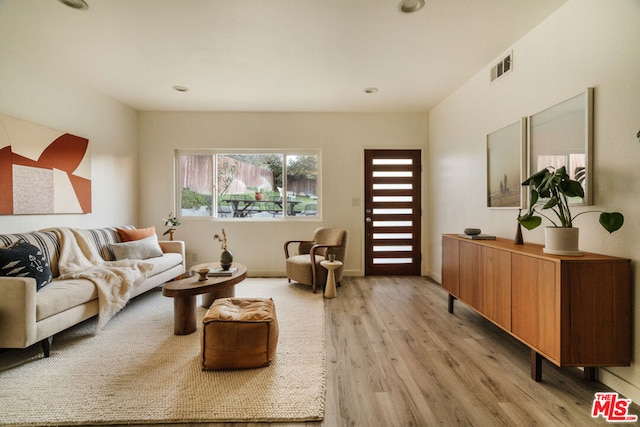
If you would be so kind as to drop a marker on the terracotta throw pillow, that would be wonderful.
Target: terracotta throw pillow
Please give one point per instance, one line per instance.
(136, 234)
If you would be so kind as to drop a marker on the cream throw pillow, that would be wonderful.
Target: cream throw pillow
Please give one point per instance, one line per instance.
(137, 249)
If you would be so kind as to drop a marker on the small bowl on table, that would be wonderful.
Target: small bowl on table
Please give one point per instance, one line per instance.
(472, 231)
(203, 274)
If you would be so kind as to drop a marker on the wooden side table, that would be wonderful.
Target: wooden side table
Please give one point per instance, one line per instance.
(330, 287)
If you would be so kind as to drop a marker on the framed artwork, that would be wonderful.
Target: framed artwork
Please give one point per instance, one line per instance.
(562, 135)
(506, 165)
(42, 170)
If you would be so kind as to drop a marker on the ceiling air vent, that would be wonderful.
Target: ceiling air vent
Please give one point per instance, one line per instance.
(501, 68)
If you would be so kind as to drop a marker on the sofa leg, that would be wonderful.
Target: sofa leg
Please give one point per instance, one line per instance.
(46, 346)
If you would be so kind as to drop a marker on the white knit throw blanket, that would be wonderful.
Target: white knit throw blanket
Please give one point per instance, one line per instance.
(114, 280)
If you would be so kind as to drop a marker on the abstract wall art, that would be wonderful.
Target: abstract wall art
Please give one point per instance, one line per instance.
(42, 170)
(505, 166)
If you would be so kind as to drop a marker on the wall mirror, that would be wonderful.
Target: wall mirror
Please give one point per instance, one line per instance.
(562, 135)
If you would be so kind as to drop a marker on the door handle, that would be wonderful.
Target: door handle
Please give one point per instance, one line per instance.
(367, 219)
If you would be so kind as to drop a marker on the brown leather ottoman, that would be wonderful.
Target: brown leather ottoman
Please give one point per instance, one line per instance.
(239, 333)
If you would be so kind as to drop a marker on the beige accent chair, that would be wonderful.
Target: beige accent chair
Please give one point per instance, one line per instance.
(305, 268)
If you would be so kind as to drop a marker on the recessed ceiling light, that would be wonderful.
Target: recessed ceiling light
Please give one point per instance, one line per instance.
(181, 88)
(370, 90)
(75, 4)
(410, 6)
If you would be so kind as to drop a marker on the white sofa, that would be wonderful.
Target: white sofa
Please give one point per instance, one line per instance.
(28, 316)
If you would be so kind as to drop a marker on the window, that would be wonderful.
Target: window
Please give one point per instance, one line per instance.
(247, 185)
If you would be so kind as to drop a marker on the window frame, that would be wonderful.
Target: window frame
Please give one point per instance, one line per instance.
(214, 152)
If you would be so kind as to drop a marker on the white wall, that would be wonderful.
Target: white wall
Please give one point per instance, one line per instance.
(29, 92)
(586, 43)
(259, 245)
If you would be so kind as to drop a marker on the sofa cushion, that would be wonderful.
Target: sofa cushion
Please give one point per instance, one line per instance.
(137, 249)
(61, 295)
(101, 238)
(23, 259)
(163, 263)
(127, 235)
(46, 241)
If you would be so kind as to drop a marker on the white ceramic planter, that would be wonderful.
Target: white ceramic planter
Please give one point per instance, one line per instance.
(562, 241)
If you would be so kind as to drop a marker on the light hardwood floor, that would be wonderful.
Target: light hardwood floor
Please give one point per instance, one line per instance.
(396, 357)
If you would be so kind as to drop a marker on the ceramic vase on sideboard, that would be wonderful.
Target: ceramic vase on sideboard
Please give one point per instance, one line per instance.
(562, 241)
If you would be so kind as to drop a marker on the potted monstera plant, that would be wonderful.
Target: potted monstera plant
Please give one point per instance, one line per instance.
(550, 192)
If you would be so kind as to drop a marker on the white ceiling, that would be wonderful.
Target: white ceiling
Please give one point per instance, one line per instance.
(269, 55)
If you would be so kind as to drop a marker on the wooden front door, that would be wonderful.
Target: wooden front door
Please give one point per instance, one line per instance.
(392, 212)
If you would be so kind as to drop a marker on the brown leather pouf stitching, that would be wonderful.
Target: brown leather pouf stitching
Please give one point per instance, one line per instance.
(239, 333)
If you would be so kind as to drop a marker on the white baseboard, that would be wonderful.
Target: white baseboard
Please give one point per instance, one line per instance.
(620, 385)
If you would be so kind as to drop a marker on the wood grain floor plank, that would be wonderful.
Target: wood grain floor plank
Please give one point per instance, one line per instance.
(396, 357)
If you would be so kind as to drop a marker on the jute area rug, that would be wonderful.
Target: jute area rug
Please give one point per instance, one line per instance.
(137, 371)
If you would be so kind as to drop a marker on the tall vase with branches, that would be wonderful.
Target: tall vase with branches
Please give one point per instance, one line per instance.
(226, 257)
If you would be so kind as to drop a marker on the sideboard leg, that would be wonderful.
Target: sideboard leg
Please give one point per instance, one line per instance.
(590, 373)
(450, 306)
(536, 366)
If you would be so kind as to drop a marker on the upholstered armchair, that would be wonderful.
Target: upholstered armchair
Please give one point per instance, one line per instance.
(304, 266)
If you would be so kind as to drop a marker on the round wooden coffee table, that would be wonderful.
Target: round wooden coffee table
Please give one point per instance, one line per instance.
(184, 294)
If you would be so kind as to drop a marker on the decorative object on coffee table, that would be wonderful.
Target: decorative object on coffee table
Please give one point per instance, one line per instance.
(203, 274)
(226, 257)
(184, 293)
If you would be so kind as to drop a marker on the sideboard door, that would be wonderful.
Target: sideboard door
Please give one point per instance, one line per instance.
(496, 270)
(535, 296)
(471, 280)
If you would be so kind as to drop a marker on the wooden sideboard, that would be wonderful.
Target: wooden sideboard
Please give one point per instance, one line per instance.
(573, 311)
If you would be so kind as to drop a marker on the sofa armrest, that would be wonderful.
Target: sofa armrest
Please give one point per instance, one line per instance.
(174, 246)
(17, 312)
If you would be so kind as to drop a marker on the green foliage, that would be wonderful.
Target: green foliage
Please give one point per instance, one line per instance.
(556, 188)
(273, 162)
(193, 200)
(171, 222)
(303, 167)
